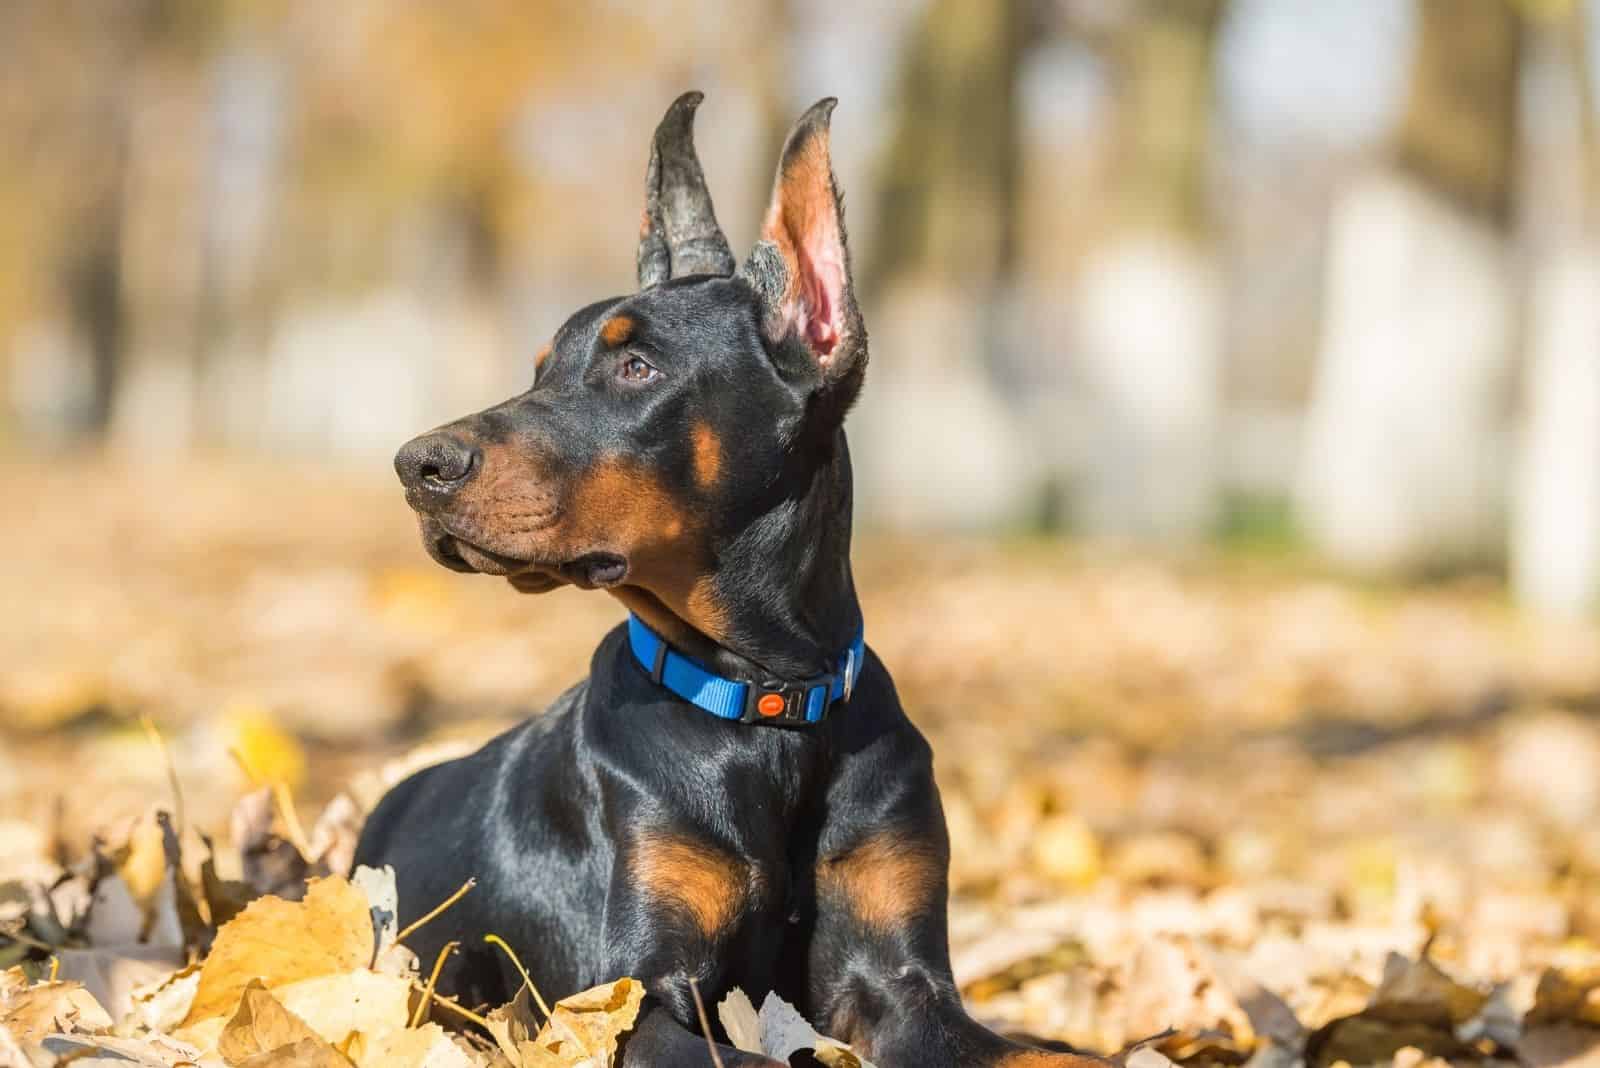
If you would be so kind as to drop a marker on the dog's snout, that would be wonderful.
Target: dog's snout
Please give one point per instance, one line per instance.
(436, 464)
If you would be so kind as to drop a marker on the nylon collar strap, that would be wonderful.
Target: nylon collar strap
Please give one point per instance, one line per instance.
(771, 701)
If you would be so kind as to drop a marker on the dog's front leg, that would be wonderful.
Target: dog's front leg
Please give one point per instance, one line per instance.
(675, 904)
(659, 1040)
(880, 974)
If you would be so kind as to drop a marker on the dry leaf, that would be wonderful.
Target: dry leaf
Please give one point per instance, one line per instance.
(163, 1006)
(306, 1053)
(1560, 1045)
(739, 1020)
(588, 1023)
(153, 1051)
(514, 1024)
(46, 1008)
(784, 1031)
(1419, 991)
(280, 942)
(333, 1006)
(113, 975)
(260, 1026)
(1567, 994)
(425, 1047)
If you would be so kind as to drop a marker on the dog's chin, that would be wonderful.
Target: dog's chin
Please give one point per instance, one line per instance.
(535, 581)
(591, 571)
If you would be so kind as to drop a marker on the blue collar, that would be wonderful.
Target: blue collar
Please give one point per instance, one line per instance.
(771, 701)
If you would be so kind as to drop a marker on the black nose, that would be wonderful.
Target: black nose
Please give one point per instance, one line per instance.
(436, 463)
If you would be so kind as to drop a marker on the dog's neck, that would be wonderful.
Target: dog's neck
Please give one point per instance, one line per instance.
(780, 588)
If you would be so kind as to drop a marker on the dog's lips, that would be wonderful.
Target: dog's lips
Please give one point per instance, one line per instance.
(487, 561)
(595, 570)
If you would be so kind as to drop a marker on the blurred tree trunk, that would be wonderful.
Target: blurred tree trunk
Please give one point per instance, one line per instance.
(1555, 534)
(941, 443)
(1147, 301)
(946, 449)
(1402, 458)
(946, 202)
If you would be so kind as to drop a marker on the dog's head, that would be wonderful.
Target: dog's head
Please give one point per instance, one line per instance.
(660, 424)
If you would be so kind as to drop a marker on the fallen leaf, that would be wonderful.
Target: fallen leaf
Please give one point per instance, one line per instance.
(1560, 1045)
(260, 1025)
(163, 1006)
(784, 1032)
(306, 1053)
(740, 1021)
(36, 1011)
(279, 942)
(514, 1024)
(333, 1006)
(113, 975)
(154, 1051)
(424, 1047)
(589, 1023)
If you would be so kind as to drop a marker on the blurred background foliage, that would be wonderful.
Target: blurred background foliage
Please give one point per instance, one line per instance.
(1147, 270)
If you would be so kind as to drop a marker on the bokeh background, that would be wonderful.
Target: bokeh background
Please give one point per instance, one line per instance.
(1228, 471)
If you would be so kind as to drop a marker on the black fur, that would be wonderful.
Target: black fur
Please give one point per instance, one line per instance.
(735, 487)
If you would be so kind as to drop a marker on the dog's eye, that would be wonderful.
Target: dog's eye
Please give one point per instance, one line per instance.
(638, 369)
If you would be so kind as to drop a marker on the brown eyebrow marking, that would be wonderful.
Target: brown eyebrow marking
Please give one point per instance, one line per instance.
(617, 330)
(707, 884)
(707, 455)
(542, 355)
(885, 881)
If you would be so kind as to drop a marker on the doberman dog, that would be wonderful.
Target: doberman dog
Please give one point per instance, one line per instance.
(734, 796)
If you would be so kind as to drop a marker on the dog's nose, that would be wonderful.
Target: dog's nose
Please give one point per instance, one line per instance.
(436, 464)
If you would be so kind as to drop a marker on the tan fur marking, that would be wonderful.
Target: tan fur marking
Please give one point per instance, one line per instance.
(707, 456)
(885, 881)
(541, 356)
(708, 885)
(617, 330)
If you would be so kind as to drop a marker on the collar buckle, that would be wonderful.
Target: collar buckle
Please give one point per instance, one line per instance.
(773, 702)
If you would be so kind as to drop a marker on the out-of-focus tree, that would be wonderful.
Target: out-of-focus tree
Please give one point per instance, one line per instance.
(1402, 461)
(1147, 300)
(63, 191)
(1555, 534)
(946, 230)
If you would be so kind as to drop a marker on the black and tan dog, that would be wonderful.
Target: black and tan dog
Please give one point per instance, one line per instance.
(734, 795)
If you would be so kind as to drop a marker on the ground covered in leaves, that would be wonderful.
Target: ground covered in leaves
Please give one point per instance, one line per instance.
(1261, 814)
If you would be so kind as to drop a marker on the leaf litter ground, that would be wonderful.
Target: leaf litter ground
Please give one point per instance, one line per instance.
(1216, 810)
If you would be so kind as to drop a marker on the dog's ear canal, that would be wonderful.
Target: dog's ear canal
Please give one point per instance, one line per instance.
(679, 234)
(800, 267)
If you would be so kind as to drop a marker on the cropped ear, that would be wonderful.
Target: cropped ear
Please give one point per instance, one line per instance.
(679, 234)
(800, 268)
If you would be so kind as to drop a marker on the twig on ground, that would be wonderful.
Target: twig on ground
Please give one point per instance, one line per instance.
(433, 980)
(452, 1005)
(172, 769)
(705, 1024)
(496, 940)
(411, 928)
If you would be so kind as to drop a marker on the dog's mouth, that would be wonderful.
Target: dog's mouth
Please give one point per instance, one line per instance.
(595, 570)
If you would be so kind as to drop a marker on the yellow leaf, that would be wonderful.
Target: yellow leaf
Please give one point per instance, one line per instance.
(36, 1011)
(425, 1047)
(270, 753)
(1065, 849)
(583, 1029)
(260, 1026)
(280, 941)
(335, 1006)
